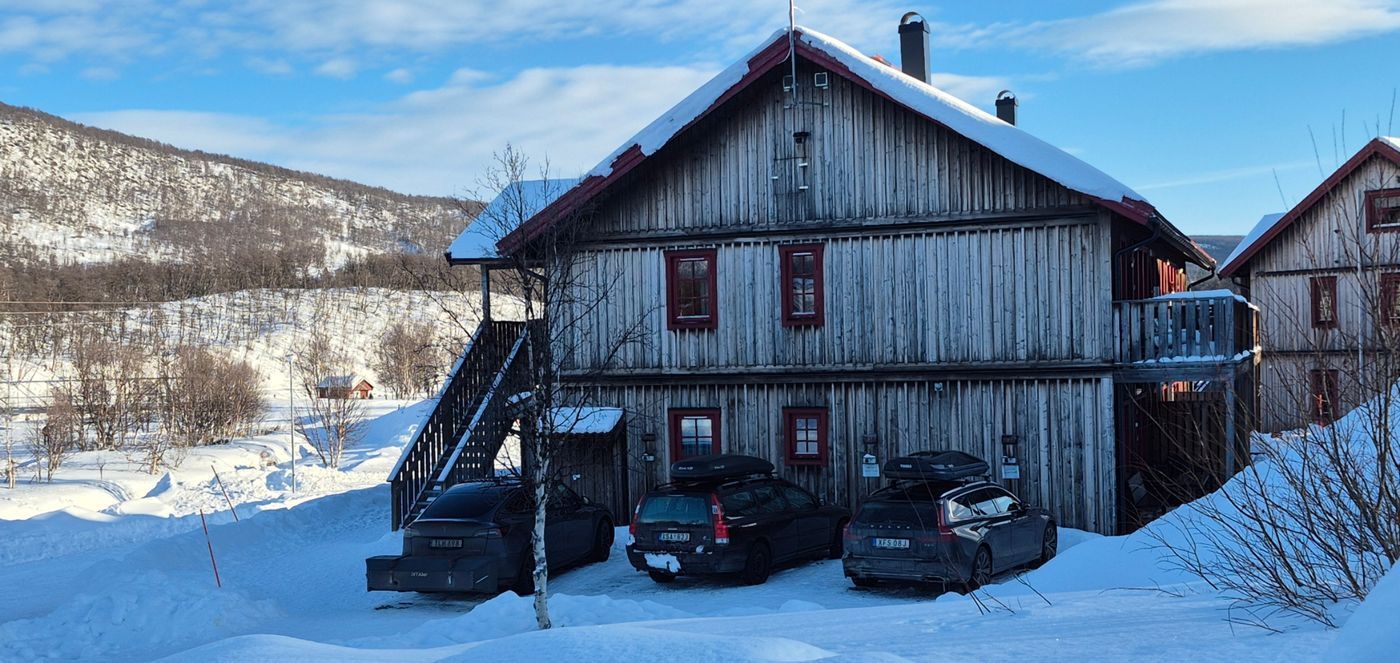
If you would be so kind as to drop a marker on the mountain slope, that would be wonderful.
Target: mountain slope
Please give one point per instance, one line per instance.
(73, 194)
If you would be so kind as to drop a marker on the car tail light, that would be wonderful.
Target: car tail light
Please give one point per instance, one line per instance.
(846, 533)
(717, 519)
(636, 513)
(491, 533)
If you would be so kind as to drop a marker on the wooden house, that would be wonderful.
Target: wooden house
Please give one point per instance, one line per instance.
(1327, 276)
(836, 262)
(344, 386)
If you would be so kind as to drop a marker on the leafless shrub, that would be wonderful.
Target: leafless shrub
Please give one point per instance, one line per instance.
(206, 397)
(409, 360)
(112, 392)
(58, 437)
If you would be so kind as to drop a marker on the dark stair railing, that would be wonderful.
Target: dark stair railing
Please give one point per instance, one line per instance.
(459, 439)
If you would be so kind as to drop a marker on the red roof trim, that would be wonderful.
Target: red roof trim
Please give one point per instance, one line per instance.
(761, 63)
(1373, 148)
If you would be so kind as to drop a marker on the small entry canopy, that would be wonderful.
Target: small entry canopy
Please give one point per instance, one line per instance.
(936, 466)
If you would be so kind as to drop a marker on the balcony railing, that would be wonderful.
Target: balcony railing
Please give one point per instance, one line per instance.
(1195, 327)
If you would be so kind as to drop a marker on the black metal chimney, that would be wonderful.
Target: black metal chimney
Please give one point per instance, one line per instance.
(1006, 107)
(913, 46)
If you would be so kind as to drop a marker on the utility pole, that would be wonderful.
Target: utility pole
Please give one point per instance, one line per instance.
(9, 420)
(292, 420)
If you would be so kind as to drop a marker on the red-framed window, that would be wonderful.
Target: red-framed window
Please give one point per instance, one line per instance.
(692, 300)
(694, 432)
(1323, 292)
(1390, 300)
(802, 285)
(1383, 210)
(806, 432)
(1322, 387)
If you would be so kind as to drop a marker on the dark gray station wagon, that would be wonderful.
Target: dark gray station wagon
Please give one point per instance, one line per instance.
(940, 522)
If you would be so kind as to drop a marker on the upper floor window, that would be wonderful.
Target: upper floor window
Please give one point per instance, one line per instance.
(691, 296)
(1324, 301)
(694, 433)
(802, 285)
(1383, 210)
(806, 435)
(1390, 300)
(1323, 395)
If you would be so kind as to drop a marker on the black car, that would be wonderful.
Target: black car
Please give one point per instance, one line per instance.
(938, 522)
(475, 537)
(729, 514)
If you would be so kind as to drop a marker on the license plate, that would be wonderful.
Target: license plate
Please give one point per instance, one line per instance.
(892, 543)
(445, 543)
(675, 536)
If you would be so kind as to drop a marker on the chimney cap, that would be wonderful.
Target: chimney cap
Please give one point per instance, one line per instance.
(1006, 95)
(906, 19)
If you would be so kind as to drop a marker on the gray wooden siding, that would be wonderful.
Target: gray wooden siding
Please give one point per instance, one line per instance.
(1016, 293)
(865, 158)
(1065, 429)
(1285, 389)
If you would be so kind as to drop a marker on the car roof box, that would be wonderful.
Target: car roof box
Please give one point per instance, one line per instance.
(936, 466)
(719, 466)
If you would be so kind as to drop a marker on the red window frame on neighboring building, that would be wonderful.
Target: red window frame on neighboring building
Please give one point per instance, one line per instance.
(692, 301)
(1383, 210)
(1323, 394)
(679, 420)
(1320, 287)
(1390, 300)
(803, 286)
(807, 434)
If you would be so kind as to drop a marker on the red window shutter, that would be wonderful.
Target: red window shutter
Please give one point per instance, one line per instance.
(803, 285)
(807, 432)
(692, 290)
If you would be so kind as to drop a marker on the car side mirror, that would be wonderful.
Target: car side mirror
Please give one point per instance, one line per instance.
(1018, 509)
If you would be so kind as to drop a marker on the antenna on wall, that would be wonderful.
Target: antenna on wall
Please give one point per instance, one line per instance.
(792, 46)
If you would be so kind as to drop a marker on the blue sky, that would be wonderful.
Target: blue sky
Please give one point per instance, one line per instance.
(1204, 106)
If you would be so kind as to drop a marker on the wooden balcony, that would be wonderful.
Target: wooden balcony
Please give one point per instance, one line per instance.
(1188, 336)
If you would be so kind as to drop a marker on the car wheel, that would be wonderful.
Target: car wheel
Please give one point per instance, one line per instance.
(525, 577)
(602, 542)
(661, 577)
(981, 572)
(1048, 544)
(837, 543)
(864, 583)
(757, 566)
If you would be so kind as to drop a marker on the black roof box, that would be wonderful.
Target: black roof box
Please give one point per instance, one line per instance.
(719, 466)
(936, 466)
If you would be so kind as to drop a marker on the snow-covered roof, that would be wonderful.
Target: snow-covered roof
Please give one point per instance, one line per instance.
(1265, 224)
(1010, 142)
(517, 202)
(1272, 224)
(340, 382)
(586, 420)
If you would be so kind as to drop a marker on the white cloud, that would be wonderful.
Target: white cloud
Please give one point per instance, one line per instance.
(100, 74)
(1147, 32)
(343, 68)
(270, 66)
(402, 76)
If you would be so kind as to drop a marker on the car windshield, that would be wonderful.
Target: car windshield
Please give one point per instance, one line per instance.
(900, 514)
(464, 504)
(675, 509)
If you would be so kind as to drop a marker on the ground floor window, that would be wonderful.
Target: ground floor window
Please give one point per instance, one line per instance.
(1323, 396)
(694, 433)
(806, 433)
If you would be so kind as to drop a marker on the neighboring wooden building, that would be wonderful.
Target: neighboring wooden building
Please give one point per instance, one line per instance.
(1327, 276)
(869, 266)
(344, 386)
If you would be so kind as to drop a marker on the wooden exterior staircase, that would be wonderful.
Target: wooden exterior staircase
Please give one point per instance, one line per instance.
(460, 438)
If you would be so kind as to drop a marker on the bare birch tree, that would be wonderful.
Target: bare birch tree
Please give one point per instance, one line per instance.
(335, 423)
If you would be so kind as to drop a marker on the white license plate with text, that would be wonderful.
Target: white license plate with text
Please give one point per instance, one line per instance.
(892, 543)
(675, 536)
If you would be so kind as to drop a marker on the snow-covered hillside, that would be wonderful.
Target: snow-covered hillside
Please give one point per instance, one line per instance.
(75, 194)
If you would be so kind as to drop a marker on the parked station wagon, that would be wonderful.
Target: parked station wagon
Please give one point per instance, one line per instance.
(941, 522)
(728, 514)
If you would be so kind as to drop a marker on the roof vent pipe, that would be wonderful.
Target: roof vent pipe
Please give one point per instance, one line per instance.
(913, 46)
(1006, 107)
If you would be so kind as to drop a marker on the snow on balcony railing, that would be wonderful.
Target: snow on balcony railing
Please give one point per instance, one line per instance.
(1193, 327)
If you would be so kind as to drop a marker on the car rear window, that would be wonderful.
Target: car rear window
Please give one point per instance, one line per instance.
(675, 509)
(467, 504)
(901, 514)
